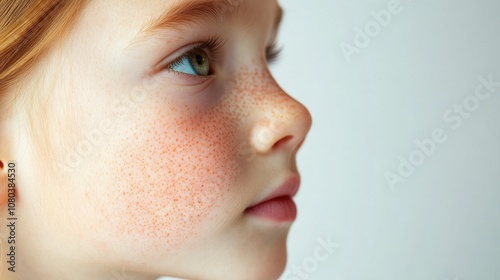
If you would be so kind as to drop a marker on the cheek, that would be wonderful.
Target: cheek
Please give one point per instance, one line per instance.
(175, 177)
(171, 176)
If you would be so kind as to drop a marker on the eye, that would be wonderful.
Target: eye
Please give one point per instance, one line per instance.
(195, 62)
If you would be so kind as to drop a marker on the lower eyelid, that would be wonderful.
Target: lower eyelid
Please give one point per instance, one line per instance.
(186, 79)
(180, 88)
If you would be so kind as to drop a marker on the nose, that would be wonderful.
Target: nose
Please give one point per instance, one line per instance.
(282, 122)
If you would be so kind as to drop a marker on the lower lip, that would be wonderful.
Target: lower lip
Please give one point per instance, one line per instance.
(280, 209)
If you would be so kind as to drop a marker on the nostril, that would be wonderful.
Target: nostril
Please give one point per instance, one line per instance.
(282, 141)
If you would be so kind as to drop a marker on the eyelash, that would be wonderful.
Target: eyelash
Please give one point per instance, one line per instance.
(213, 48)
(273, 53)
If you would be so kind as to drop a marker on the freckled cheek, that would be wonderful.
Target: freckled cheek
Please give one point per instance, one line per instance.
(183, 173)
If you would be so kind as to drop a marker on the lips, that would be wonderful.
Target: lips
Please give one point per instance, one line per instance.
(278, 206)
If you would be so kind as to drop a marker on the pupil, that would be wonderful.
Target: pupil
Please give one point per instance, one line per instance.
(199, 59)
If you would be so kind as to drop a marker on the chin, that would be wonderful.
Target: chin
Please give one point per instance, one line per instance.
(251, 263)
(270, 265)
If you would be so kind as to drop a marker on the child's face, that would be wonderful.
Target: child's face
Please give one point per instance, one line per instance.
(156, 167)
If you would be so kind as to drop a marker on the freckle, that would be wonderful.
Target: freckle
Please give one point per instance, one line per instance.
(173, 167)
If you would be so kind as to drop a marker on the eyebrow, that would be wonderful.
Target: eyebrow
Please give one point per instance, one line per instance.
(192, 12)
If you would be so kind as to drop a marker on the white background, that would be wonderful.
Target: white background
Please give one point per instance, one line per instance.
(443, 221)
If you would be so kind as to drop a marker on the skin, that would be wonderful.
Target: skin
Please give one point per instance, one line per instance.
(162, 188)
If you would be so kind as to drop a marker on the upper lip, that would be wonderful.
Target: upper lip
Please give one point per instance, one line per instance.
(289, 188)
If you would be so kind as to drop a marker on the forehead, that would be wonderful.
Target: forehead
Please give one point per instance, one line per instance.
(150, 11)
(145, 17)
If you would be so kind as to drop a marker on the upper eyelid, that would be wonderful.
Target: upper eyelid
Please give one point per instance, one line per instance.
(182, 56)
(212, 46)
